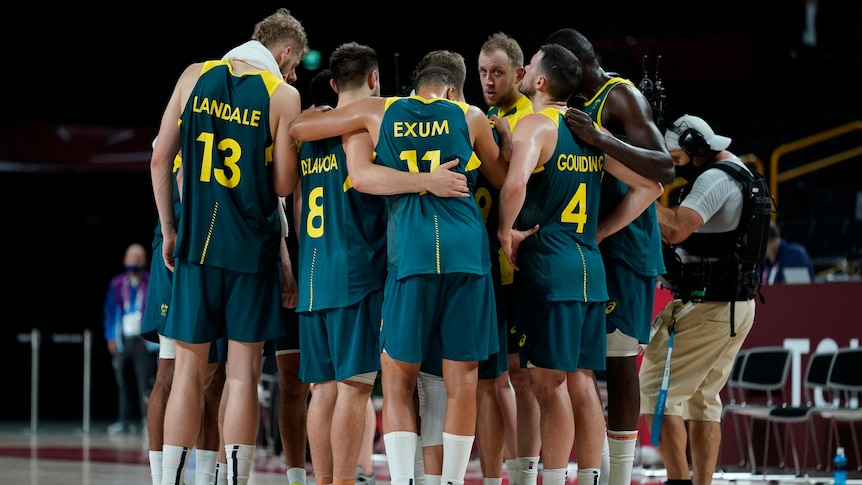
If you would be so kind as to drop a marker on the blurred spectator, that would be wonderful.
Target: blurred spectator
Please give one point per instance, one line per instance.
(785, 262)
(134, 361)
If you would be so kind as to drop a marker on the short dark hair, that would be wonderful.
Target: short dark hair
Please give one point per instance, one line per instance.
(321, 91)
(577, 43)
(351, 63)
(452, 61)
(435, 76)
(562, 70)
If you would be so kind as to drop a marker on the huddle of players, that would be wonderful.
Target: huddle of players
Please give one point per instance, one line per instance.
(402, 283)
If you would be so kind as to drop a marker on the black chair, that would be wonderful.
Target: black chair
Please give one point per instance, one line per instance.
(763, 374)
(845, 383)
(733, 403)
(816, 377)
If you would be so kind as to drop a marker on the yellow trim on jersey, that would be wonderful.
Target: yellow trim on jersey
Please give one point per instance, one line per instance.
(610, 84)
(473, 163)
(553, 114)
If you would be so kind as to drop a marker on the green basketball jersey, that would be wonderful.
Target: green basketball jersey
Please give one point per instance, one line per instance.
(229, 217)
(342, 257)
(562, 261)
(427, 234)
(638, 244)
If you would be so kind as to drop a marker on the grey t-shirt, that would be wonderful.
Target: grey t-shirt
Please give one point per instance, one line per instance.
(717, 198)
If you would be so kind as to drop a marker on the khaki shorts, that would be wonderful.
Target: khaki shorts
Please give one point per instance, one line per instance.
(703, 355)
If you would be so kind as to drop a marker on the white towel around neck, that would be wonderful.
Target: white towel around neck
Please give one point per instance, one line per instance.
(254, 53)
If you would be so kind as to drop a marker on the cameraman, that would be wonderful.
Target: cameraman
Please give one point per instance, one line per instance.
(710, 303)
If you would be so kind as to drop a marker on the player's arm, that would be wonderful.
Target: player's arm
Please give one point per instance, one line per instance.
(532, 132)
(645, 152)
(642, 192)
(285, 106)
(319, 123)
(161, 164)
(371, 178)
(494, 165)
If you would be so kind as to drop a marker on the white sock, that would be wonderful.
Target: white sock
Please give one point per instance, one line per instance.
(400, 454)
(205, 466)
(240, 459)
(622, 456)
(512, 471)
(433, 480)
(588, 476)
(528, 470)
(555, 476)
(173, 462)
(606, 463)
(419, 465)
(221, 473)
(156, 467)
(456, 457)
(492, 481)
(296, 476)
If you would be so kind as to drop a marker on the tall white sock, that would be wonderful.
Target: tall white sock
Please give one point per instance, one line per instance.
(173, 463)
(456, 457)
(296, 476)
(555, 476)
(492, 481)
(528, 470)
(433, 480)
(512, 471)
(156, 467)
(240, 459)
(604, 479)
(400, 454)
(221, 473)
(205, 466)
(622, 456)
(588, 476)
(419, 465)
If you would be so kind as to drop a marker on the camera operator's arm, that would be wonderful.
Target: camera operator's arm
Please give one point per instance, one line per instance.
(677, 223)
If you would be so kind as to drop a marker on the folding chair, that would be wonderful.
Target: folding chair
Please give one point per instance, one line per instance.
(732, 404)
(763, 377)
(845, 382)
(816, 377)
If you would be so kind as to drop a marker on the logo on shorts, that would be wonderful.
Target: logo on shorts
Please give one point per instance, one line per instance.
(164, 309)
(611, 306)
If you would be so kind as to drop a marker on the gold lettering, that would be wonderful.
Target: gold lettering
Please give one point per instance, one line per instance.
(224, 111)
(567, 162)
(315, 165)
(424, 129)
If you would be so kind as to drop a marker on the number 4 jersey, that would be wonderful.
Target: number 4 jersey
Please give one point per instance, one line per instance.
(562, 262)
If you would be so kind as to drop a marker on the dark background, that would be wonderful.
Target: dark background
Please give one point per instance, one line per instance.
(84, 92)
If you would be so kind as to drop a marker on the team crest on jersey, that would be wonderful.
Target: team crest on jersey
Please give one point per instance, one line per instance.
(610, 307)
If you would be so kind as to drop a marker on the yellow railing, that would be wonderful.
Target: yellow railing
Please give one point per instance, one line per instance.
(775, 178)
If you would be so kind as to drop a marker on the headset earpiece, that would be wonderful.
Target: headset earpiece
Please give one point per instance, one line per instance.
(693, 143)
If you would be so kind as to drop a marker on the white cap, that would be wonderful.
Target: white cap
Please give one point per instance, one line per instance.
(686, 122)
(839, 450)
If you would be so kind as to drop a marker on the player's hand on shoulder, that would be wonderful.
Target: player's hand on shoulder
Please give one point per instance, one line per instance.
(582, 126)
